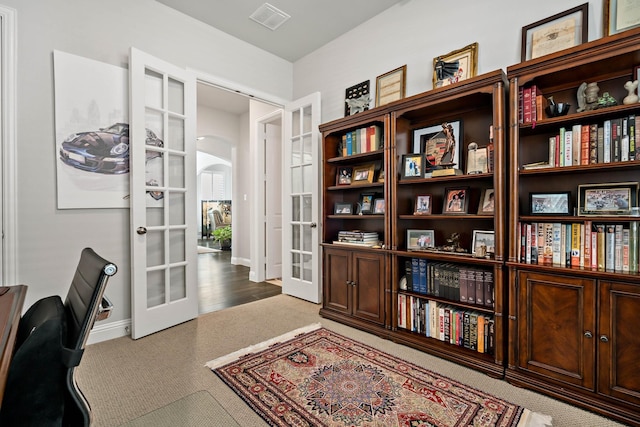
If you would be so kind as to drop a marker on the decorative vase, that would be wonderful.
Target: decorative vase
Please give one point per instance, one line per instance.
(631, 87)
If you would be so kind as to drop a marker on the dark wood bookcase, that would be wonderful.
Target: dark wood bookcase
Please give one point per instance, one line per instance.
(571, 328)
(361, 285)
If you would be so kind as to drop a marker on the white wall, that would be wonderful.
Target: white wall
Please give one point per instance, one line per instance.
(413, 33)
(50, 240)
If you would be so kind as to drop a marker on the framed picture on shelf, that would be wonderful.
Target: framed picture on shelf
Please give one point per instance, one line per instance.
(607, 199)
(487, 202)
(363, 174)
(343, 209)
(553, 203)
(620, 15)
(356, 98)
(343, 177)
(420, 239)
(412, 166)
(391, 86)
(423, 205)
(560, 31)
(456, 201)
(381, 175)
(455, 66)
(366, 203)
(379, 206)
(483, 243)
(439, 143)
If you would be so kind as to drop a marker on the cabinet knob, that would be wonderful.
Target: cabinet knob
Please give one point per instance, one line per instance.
(588, 334)
(604, 338)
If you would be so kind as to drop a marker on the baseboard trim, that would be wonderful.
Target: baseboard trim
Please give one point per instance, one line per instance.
(109, 331)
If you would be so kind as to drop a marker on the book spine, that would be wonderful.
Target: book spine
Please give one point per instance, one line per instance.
(463, 282)
(422, 268)
(489, 289)
(633, 247)
(480, 286)
(625, 250)
(624, 140)
(541, 242)
(632, 137)
(415, 270)
(563, 245)
(585, 144)
(576, 144)
(601, 246)
(556, 231)
(617, 261)
(610, 247)
(526, 105)
(606, 146)
(568, 148)
(587, 244)
(594, 248)
(575, 245)
(593, 143)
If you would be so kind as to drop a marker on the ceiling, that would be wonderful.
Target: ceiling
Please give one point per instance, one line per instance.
(313, 23)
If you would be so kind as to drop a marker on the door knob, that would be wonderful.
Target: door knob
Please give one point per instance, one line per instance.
(313, 225)
(141, 230)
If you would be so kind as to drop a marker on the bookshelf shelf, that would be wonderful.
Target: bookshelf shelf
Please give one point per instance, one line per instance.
(581, 281)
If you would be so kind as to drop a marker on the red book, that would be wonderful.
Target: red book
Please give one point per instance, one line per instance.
(526, 105)
(585, 145)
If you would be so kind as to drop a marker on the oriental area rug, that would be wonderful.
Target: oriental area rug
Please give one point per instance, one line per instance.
(316, 377)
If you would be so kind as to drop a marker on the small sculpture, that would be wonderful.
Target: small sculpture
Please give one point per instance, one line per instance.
(631, 87)
(582, 101)
(606, 101)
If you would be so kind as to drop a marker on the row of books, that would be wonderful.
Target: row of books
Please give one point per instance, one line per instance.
(362, 140)
(598, 246)
(614, 140)
(455, 282)
(531, 104)
(358, 238)
(462, 327)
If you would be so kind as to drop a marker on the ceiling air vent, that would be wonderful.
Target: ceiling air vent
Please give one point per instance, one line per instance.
(269, 16)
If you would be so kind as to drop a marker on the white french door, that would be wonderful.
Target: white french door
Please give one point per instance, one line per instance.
(163, 200)
(301, 192)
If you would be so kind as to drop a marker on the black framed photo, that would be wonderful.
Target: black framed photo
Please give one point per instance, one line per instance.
(560, 31)
(456, 201)
(379, 206)
(366, 203)
(356, 98)
(343, 209)
(607, 199)
(344, 176)
(440, 144)
(420, 239)
(423, 206)
(551, 203)
(412, 166)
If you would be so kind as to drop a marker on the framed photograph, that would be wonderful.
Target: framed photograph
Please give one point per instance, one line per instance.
(366, 203)
(620, 15)
(343, 209)
(455, 66)
(381, 175)
(423, 205)
(560, 31)
(418, 240)
(439, 143)
(391, 86)
(379, 206)
(356, 98)
(477, 159)
(607, 199)
(553, 203)
(456, 201)
(483, 242)
(363, 174)
(343, 177)
(487, 202)
(412, 166)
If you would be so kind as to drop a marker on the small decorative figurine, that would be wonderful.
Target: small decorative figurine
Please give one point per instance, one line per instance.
(606, 101)
(631, 87)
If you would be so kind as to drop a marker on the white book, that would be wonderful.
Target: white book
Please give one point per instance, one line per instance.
(576, 145)
(568, 148)
(606, 141)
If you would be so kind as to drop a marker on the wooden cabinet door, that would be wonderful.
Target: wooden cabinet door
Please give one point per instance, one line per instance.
(368, 275)
(337, 279)
(619, 341)
(556, 327)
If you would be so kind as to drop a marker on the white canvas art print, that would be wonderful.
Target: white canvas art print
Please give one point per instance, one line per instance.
(92, 133)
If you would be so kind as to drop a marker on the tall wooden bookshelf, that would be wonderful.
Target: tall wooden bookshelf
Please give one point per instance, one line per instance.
(361, 285)
(572, 324)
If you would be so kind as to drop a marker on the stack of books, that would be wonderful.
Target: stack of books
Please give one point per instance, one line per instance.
(357, 238)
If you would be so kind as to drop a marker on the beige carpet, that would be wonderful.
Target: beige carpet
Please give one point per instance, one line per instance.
(125, 379)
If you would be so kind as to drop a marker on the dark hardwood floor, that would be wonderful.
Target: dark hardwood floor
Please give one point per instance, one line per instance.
(222, 285)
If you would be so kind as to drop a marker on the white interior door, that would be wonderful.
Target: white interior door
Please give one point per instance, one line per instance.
(301, 196)
(273, 199)
(163, 195)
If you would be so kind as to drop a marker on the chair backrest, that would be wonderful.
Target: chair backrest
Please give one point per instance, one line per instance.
(83, 305)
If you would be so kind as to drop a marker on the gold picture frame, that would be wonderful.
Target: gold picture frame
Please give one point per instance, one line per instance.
(620, 15)
(558, 32)
(455, 66)
(391, 86)
(363, 174)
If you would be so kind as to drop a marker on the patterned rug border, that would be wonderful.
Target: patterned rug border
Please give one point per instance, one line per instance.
(527, 417)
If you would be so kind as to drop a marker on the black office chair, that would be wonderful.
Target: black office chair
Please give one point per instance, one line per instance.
(41, 388)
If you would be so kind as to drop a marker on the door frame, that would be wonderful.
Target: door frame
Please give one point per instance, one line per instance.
(258, 250)
(8, 143)
(277, 102)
